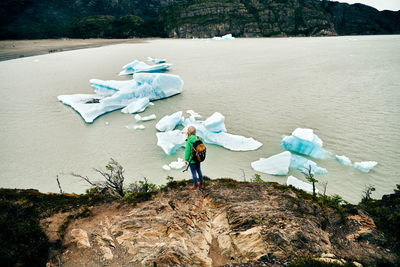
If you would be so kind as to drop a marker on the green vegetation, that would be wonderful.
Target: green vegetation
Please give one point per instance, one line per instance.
(386, 215)
(23, 243)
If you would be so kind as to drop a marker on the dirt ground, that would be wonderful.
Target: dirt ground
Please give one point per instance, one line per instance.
(11, 49)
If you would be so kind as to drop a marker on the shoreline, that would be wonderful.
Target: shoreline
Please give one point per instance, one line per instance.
(13, 49)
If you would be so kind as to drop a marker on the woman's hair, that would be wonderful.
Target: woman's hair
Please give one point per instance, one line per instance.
(191, 131)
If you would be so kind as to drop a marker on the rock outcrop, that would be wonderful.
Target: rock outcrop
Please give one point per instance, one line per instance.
(227, 223)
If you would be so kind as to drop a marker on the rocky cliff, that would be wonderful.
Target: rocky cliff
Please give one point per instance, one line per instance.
(186, 19)
(228, 223)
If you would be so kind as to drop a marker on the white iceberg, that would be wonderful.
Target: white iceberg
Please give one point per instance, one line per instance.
(302, 164)
(293, 181)
(113, 95)
(344, 160)
(171, 141)
(304, 141)
(215, 123)
(275, 165)
(145, 118)
(170, 144)
(179, 164)
(137, 105)
(365, 166)
(156, 60)
(166, 167)
(139, 66)
(169, 122)
(224, 37)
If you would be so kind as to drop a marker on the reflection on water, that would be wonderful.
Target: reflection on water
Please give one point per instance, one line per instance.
(347, 90)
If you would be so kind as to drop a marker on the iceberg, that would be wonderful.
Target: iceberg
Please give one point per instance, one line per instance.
(224, 37)
(304, 141)
(171, 141)
(139, 66)
(156, 60)
(302, 164)
(293, 181)
(170, 144)
(169, 122)
(113, 95)
(344, 160)
(137, 105)
(215, 123)
(275, 165)
(365, 166)
(146, 118)
(179, 164)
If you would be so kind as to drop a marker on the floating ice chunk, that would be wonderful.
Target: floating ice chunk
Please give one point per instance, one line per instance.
(135, 127)
(137, 105)
(169, 122)
(113, 95)
(146, 118)
(303, 164)
(179, 164)
(275, 165)
(215, 123)
(193, 113)
(293, 181)
(156, 60)
(365, 166)
(139, 66)
(170, 141)
(225, 37)
(344, 160)
(231, 141)
(304, 141)
(166, 167)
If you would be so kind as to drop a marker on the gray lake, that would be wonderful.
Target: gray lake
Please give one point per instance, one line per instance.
(345, 88)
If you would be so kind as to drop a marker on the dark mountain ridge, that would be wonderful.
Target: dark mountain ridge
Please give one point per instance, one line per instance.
(29, 19)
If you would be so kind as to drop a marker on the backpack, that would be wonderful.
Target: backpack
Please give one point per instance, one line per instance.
(199, 151)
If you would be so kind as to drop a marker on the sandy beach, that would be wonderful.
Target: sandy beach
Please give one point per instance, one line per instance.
(11, 49)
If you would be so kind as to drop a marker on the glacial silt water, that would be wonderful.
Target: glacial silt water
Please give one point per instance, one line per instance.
(345, 88)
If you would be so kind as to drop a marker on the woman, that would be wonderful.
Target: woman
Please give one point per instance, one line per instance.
(194, 166)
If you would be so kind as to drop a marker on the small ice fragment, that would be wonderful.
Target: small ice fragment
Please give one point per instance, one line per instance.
(291, 180)
(137, 105)
(139, 127)
(169, 122)
(107, 122)
(344, 160)
(275, 165)
(193, 113)
(166, 167)
(146, 118)
(225, 37)
(215, 123)
(365, 166)
(156, 60)
(179, 164)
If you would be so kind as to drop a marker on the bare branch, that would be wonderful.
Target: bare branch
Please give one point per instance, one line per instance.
(59, 185)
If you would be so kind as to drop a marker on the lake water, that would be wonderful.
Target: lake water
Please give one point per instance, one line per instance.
(345, 88)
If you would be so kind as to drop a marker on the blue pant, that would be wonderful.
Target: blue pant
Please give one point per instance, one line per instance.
(195, 167)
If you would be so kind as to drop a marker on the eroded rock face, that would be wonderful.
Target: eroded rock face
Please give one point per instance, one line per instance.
(227, 223)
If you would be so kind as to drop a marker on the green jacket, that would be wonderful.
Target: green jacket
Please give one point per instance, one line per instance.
(189, 148)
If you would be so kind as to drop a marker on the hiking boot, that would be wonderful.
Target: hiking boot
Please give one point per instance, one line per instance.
(201, 186)
(194, 187)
